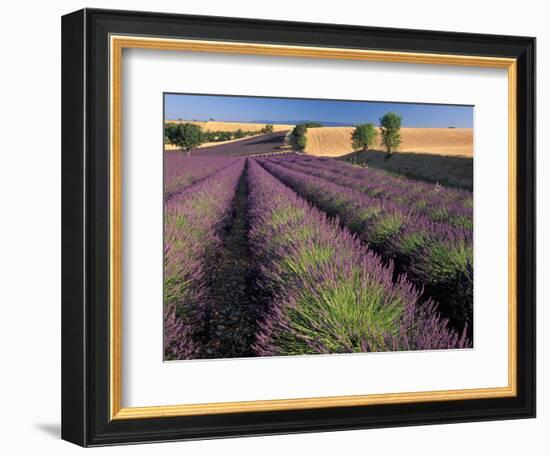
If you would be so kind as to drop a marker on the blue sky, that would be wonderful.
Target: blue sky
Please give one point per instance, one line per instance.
(249, 109)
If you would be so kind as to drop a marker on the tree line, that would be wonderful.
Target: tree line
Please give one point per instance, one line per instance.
(363, 137)
(187, 136)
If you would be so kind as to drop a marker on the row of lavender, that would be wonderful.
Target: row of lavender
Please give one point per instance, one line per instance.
(193, 224)
(327, 292)
(330, 294)
(437, 257)
(181, 171)
(439, 204)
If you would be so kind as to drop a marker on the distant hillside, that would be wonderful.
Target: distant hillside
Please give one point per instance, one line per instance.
(336, 141)
(325, 123)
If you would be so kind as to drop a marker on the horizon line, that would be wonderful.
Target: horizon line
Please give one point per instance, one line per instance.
(286, 122)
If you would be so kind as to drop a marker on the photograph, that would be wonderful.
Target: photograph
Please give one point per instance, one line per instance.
(297, 226)
(272, 226)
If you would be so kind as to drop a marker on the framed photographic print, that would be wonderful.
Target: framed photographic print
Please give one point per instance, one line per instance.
(278, 227)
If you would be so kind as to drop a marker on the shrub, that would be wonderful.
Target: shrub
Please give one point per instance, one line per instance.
(299, 130)
(301, 142)
(186, 136)
(268, 128)
(224, 135)
(390, 126)
(363, 136)
(298, 136)
(169, 133)
(208, 136)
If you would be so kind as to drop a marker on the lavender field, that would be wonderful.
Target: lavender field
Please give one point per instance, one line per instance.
(291, 254)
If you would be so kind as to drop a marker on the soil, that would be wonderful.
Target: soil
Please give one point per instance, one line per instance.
(231, 324)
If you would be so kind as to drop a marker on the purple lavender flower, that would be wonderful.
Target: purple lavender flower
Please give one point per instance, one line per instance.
(330, 294)
(181, 171)
(436, 256)
(194, 219)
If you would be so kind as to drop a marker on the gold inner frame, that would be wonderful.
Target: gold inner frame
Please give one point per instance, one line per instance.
(117, 44)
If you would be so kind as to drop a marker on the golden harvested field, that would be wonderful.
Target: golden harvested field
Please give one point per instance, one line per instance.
(336, 141)
(233, 126)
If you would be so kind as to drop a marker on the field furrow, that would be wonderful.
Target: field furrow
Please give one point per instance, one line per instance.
(437, 203)
(181, 171)
(194, 222)
(437, 257)
(233, 309)
(327, 292)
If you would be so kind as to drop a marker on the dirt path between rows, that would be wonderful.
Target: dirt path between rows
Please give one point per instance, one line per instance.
(231, 325)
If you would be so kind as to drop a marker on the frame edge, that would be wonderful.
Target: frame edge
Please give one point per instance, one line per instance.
(83, 401)
(73, 303)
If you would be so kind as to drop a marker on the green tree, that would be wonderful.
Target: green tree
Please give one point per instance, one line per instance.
(208, 136)
(186, 136)
(301, 142)
(300, 130)
(363, 136)
(169, 133)
(298, 136)
(390, 126)
(268, 128)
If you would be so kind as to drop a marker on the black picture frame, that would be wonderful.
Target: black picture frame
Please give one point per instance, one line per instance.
(85, 228)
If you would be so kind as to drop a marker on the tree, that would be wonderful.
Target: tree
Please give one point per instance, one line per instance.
(239, 134)
(169, 132)
(186, 136)
(301, 142)
(268, 128)
(298, 136)
(224, 135)
(300, 130)
(208, 136)
(363, 136)
(390, 126)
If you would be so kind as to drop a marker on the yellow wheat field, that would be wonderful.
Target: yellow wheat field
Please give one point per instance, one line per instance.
(233, 126)
(336, 141)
